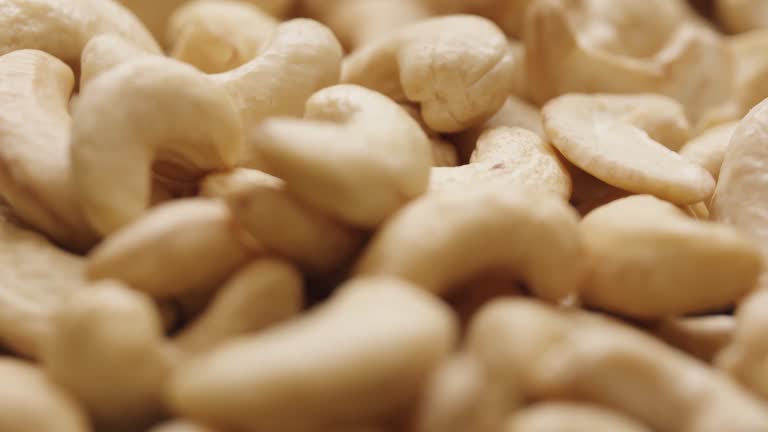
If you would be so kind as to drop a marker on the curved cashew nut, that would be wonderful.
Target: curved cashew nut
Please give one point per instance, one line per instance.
(571, 417)
(252, 383)
(104, 52)
(458, 68)
(216, 36)
(32, 403)
(198, 132)
(356, 155)
(676, 265)
(598, 134)
(742, 15)
(63, 27)
(709, 148)
(35, 171)
(688, 61)
(508, 156)
(444, 239)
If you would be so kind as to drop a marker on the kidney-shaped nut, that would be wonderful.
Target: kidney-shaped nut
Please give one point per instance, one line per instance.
(675, 265)
(104, 52)
(742, 15)
(216, 36)
(372, 370)
(63, 27)
(610, 137)
(31, 402)
(356, 154)
(446, 238)
(459, 68)
(154, 253)
(511, 157)
(170, 116)
(709, 148)
(571, 417)
(625, 47)
(35, 172)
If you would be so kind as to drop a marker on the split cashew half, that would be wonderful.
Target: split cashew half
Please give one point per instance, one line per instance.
(458, 68)
(445, 239)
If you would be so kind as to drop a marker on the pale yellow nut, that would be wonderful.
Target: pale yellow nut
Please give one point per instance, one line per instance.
(676, 265)
(507, 157)
(702, 337)
(508, 14)
(355, 155)
(260, 295)
(458, 68)
(31, 402)
(742, 15)
(104, 52)
(625, 47)
(115, 146)
(36, 276)
(571, 417)
(445, 239)
(709, 148)
(372, 370)
(35, 171)
(610, 137)
(179, 247)
(216, 36)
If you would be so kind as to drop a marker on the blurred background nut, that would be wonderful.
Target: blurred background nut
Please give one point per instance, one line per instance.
(104, 52)
(702, 337)
(508, 14)
(709, 148)
(571, 417)
(742, 15)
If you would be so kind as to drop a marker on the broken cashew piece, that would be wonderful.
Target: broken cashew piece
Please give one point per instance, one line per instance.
(610, 137)
(445, 239)
(356, 155)
(458, 68)
(252, 383)
(709, 148)
(571, 417)
(507, 156)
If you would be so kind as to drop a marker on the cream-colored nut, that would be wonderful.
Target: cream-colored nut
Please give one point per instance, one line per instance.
(738, 198)
(458, 68)
(742, 15)
(115, 145)
(614, 139)
(63, 27)
(180, 247)
(32, 403)
(263, 293)
(35, 172)
(372, 370)
(709, 148)
(507, 157)
(508, 14)
(216, 36)
(675, 265)
(702, 337)
(356, 154)
(625, 47)
(181, 426)
(104, 52)
(35, 276)
(571, 417)
(545, 353)
(445, 239)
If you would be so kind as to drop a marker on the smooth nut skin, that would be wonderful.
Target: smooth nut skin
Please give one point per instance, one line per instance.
(104, 52)
(612, 138)
(445, 239)
(709, 148)
(198, 131)
(33, 403)
(63, 27)
(257, 382)
(356, 155)
(570, 417)
(35, 171)
(458, 68)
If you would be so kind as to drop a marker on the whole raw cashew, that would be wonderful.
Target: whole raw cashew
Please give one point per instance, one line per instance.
(571, 417)
(154, 253)
(63, 27)
(742, 15)
(356, 154)
(511, 157)
(702, 337)
(608, 137)
(459, 68)
(444, 239)
(676, 265)
(32, 403)
(709, 148)
(199, 131)
(546, 353)
(625, 47)
(372, 371)
(216, 36)
(35, 172)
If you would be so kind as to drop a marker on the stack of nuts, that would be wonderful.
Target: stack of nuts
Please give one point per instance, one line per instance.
(383, 216)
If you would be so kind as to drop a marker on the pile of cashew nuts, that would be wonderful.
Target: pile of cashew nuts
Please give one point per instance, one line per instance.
(383, 216)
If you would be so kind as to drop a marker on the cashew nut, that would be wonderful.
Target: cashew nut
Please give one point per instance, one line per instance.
(508, 14)
(104, 52)
(742, 15)
(702, 337)
(709, 148)
(500, 228)
(571, 417)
